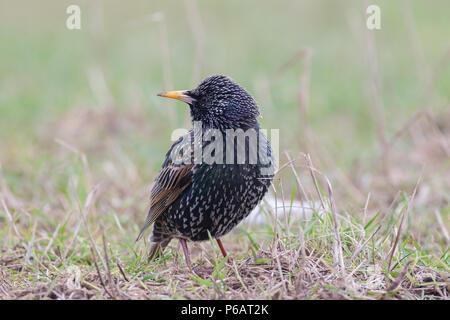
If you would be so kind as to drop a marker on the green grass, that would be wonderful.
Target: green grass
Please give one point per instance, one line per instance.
(82, 133)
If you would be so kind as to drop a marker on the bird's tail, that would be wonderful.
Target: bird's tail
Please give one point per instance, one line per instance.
(146, 225)
(157, 248)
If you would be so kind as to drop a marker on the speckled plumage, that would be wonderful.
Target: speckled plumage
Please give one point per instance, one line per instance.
(191, 198)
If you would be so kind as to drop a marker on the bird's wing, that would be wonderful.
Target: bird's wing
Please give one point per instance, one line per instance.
(175, 176)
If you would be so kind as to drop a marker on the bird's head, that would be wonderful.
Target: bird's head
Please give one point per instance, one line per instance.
(220, 103)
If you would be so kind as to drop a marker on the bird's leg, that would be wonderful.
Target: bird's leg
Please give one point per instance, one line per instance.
(222, 249)
(186, 253)
(188, 259)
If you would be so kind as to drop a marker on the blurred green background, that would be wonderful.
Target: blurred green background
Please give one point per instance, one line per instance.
(95, 88)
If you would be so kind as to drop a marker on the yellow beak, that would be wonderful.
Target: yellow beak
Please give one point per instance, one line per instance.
(178, 95)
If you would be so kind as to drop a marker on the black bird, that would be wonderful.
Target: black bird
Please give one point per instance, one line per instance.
(206, 187)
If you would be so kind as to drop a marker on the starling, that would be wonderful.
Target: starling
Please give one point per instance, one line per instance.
(216, 174)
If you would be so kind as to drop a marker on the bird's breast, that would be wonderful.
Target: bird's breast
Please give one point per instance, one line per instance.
(220, 197)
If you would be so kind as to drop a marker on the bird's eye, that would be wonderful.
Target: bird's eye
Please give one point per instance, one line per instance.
(192, 94)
